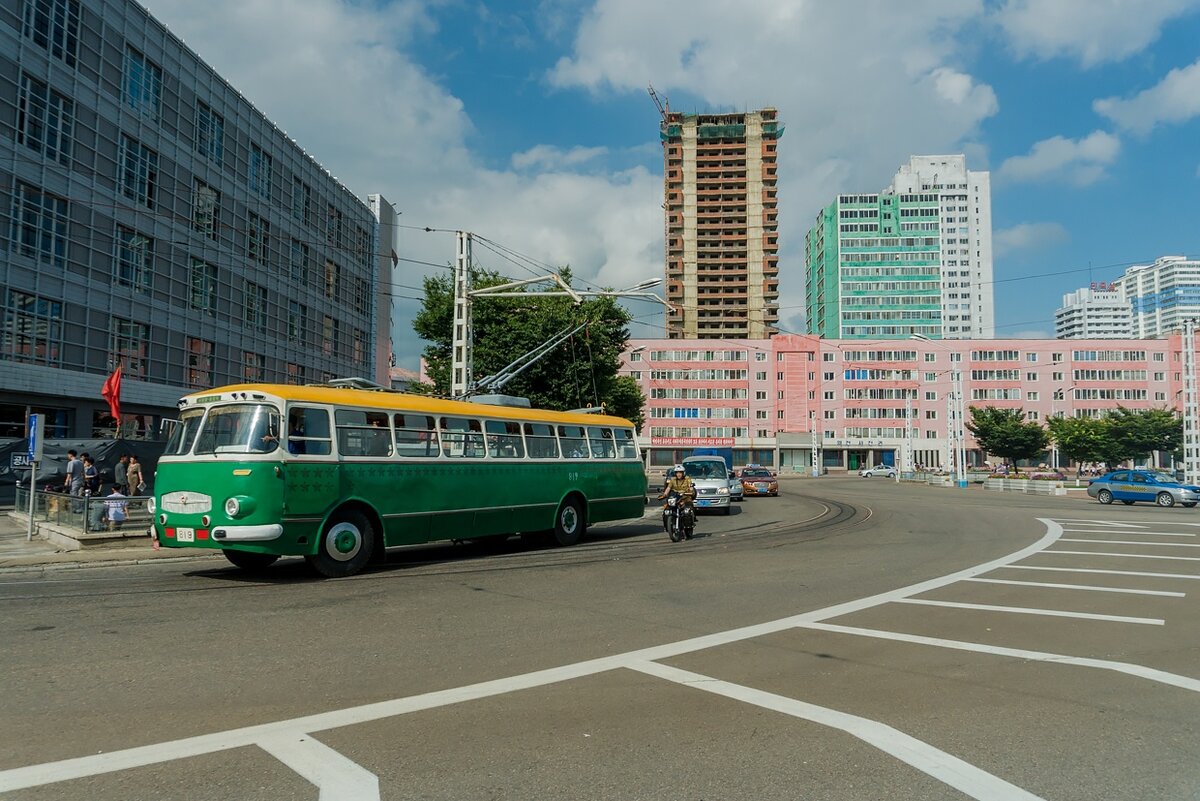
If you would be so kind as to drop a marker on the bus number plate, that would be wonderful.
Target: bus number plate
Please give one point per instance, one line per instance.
(185, 535)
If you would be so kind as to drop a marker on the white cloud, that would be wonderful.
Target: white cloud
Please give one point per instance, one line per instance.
(1176, 98)
(1090, 31)
(1077, 161)
(1028, 236)
(548, 157)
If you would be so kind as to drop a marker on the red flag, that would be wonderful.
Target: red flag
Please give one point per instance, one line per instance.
(112, 393)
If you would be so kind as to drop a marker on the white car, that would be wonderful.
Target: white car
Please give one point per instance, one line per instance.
(878, 470)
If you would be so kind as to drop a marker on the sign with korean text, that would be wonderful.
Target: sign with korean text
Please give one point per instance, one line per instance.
(693, 442)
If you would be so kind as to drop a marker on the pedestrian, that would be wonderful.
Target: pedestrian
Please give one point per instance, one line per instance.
(91, 476)
(74, 480)
(115, 507)
(119, 473)
(133, 477)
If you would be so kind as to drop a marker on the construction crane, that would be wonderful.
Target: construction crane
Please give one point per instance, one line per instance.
(664, 105)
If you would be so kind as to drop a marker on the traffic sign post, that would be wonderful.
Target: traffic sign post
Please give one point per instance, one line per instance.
(33, 455)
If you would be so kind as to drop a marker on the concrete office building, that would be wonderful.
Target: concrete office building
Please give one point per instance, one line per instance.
(914, 258)
(860, 402)
(156, 220)
(722, 223)
(1100, 311)
(1162, 295)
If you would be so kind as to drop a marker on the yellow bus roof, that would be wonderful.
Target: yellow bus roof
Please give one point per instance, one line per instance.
(400, 401)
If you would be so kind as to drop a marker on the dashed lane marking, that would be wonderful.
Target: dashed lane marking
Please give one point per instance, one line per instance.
(1049, 585)
(1101, 572)
(1129, 669)
(1126, 555)
(1133, 542)
(1022, 610)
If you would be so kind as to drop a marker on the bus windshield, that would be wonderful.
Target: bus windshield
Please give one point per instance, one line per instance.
(183, 433)
(239, 428)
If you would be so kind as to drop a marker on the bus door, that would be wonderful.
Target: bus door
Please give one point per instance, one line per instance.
(311, 478)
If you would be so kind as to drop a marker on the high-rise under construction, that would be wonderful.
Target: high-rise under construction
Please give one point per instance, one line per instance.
(721, 214)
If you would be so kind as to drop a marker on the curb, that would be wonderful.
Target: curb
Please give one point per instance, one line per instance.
(36, 564)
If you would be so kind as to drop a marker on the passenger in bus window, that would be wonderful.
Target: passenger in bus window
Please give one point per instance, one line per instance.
(296, 431)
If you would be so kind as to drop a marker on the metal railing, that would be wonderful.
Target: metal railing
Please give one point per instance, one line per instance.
(87, 513)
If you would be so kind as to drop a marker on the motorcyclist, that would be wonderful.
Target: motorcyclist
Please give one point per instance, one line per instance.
(681, 483)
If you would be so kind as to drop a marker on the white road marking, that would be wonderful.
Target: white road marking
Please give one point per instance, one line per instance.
(1105, 572)
(1126, 531)
(1079, 587)
(1096, 522)
(1138, 671)
(1023, 610)
(80, 767)
(1134, 542)
(337, 778)
(946, 768)
(1127, 555)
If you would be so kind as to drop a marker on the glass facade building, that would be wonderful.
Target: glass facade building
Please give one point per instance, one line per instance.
(151, 217)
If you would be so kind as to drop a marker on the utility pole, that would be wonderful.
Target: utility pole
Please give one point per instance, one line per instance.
(1191, 436)
(460, 368)
(462, 378)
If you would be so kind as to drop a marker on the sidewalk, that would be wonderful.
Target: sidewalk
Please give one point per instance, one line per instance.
(19, 555)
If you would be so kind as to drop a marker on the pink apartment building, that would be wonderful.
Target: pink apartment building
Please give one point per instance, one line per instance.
(770, 400)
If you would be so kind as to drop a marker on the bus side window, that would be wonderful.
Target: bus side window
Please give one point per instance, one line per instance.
(539, 438)
(462, 438)
(626, 444)
(504, 439)
(308, 431)
(416, 436)
(601, 440)
(574, 444)
(363, 433)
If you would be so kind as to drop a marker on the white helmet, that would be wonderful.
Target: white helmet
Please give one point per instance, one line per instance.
(677, 468)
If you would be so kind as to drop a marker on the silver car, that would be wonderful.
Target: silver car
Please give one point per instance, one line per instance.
(878, 470)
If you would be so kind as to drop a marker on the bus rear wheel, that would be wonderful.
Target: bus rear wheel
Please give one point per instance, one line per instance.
(253, 562)
(569, 523)
(346, 546)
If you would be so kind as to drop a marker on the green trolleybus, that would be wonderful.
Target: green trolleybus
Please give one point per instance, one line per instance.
(337, 475)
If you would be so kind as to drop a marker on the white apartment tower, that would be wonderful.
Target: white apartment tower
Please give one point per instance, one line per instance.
(965, 225)
(1162, 295)
(1100, 311)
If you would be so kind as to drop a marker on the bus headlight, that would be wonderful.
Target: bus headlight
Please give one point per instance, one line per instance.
(150, 505)
(239, 506)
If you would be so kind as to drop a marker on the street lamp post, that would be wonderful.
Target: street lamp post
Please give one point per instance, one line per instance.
(1191, 405)
(956, 438)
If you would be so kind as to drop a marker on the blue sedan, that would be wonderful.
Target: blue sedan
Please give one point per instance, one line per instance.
(1128, 486)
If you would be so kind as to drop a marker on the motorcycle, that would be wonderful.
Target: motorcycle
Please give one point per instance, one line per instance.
(678, 518)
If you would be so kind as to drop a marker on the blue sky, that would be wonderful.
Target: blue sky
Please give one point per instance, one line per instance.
(529, 122)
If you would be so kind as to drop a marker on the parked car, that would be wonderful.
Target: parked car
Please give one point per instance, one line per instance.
(759, 481)
(1130, 486)
(878, 470)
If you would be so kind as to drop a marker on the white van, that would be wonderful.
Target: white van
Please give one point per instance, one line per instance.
(710, 474)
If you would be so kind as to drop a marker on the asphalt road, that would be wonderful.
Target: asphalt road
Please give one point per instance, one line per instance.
(851, 639)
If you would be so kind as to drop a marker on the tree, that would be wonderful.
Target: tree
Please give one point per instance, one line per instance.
(1137, 433)
(1005, 433)
(1084, 439)
(580, 372)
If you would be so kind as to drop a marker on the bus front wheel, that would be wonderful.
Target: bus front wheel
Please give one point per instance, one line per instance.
(346, 546)
(569, 525)
(252, 562)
